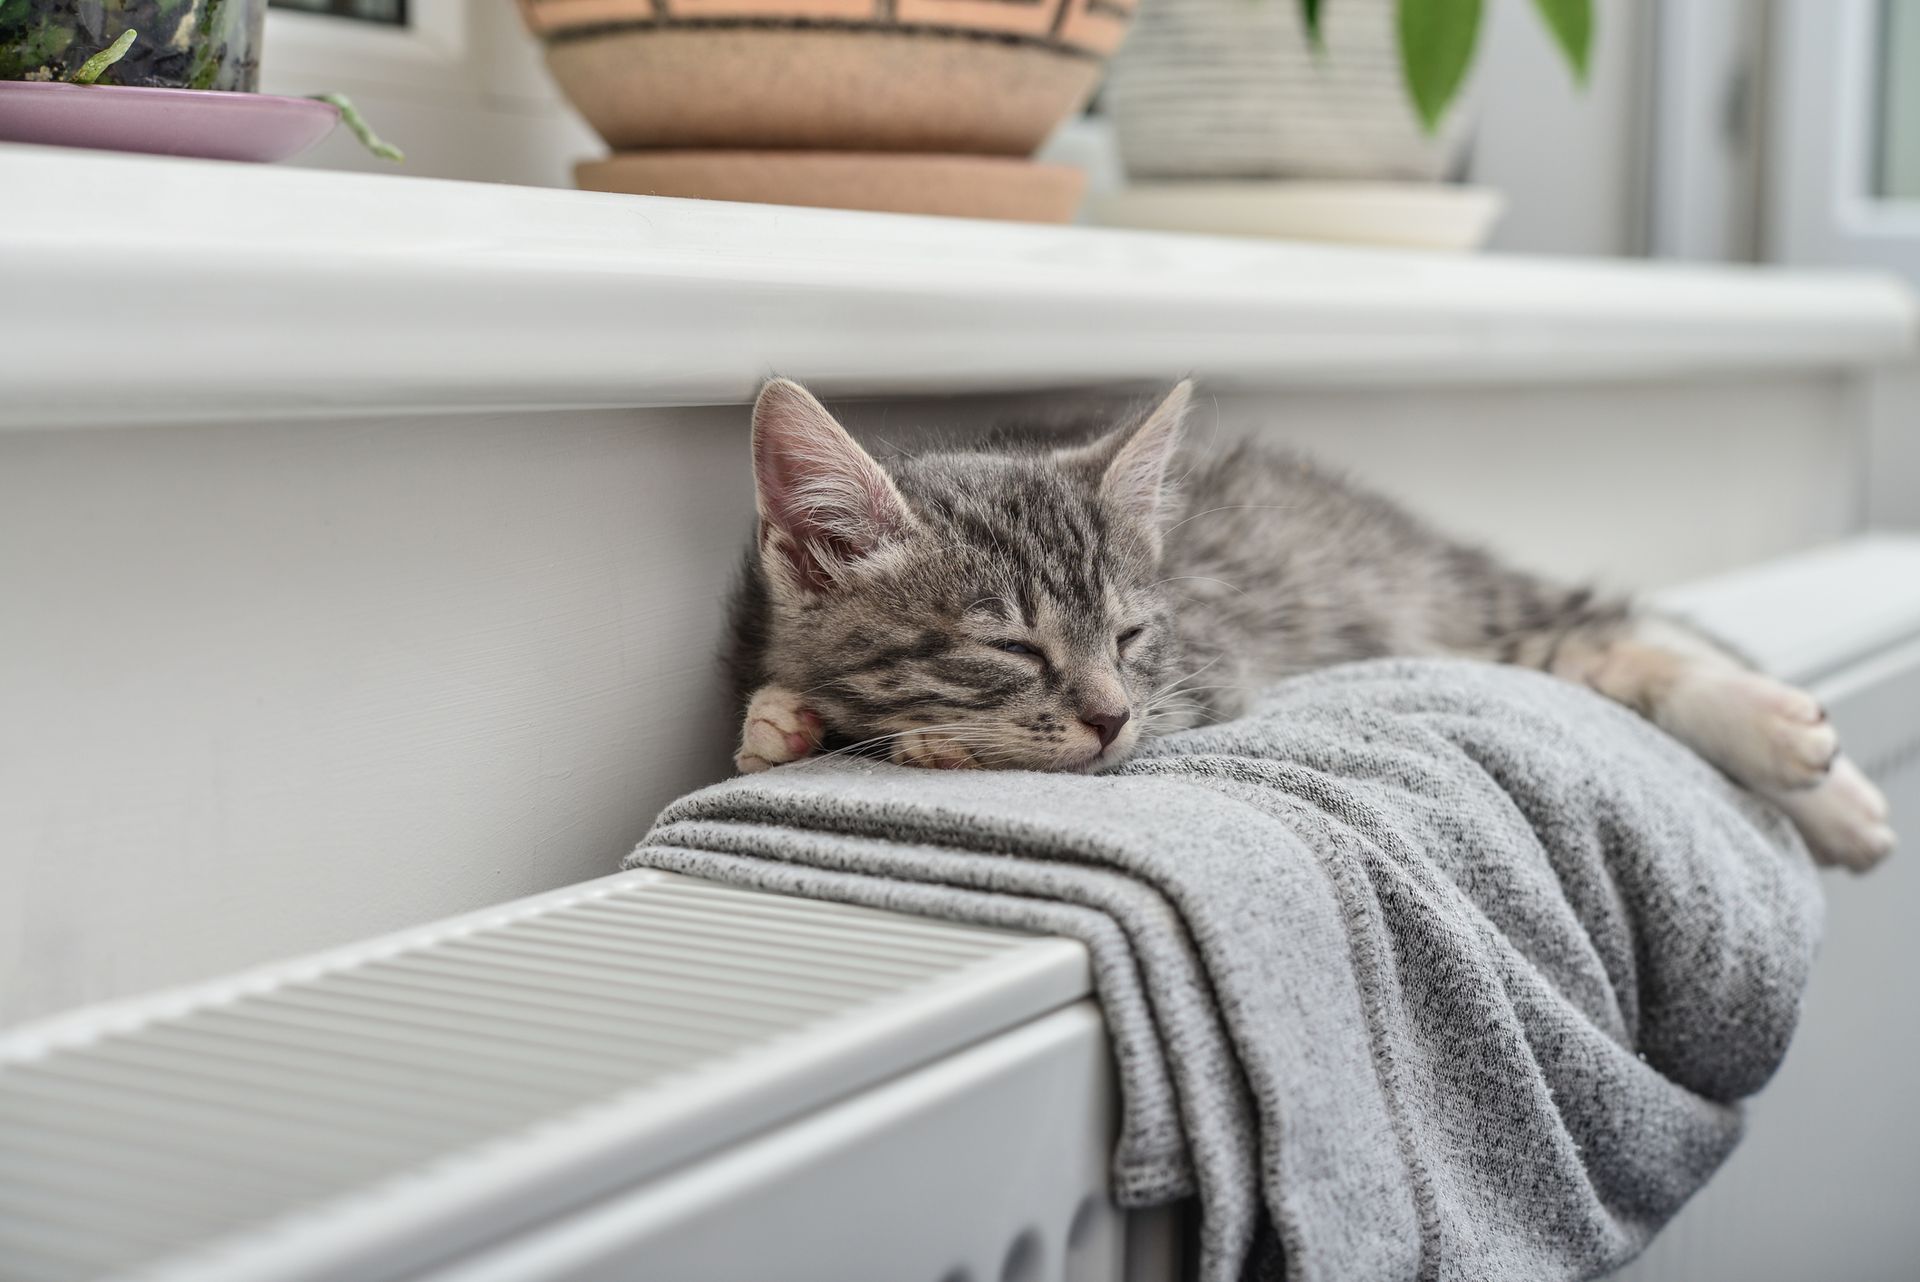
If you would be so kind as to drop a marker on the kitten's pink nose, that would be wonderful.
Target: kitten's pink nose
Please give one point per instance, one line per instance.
(1105, 724)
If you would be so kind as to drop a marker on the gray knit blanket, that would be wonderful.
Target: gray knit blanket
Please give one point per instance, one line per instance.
(1422, 970)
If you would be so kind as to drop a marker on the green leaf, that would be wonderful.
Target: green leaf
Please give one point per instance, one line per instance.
(1437, 38)
(1571, 22)
(1310, 13)
(89, 71)
(350, 117)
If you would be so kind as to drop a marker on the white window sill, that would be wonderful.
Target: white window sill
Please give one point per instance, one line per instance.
(151, 290)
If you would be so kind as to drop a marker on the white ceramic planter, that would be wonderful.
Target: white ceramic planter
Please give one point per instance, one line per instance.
(1231, 89)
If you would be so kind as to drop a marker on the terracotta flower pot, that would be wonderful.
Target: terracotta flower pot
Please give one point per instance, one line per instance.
(988, 77)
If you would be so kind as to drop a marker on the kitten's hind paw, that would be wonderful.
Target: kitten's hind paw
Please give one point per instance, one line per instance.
(1764, 733)
(778, 729)
(1844, 819)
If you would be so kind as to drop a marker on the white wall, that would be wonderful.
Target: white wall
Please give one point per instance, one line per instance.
(1569, 159)
(477, 104)
(1893, 466)
(1572, 161)
(265, 688)
(270, 687)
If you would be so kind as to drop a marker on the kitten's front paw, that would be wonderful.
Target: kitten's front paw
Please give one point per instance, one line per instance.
(778, 729)
(931, 750)
(1844, 819)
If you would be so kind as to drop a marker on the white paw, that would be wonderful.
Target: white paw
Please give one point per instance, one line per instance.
(778, 729)
(1844, 819)
(1766, 734)
(931, 750)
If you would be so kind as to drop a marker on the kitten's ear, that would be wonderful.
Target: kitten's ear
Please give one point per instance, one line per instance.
(825, 505)
(1135, 480)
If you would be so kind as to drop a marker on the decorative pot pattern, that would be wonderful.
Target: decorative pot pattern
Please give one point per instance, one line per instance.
(989, 77)
(1232, 89)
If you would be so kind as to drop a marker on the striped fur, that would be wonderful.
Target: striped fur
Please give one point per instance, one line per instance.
(1010, 605)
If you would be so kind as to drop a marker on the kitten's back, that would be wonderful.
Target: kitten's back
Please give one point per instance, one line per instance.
(1284, 566)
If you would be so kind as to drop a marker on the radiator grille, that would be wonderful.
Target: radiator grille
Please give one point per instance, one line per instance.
(314, 1120)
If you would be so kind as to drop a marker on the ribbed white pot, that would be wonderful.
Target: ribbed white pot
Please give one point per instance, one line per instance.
(1231, 89)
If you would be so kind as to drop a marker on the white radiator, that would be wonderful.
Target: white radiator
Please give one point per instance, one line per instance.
(736, 1085)
(652, 1077)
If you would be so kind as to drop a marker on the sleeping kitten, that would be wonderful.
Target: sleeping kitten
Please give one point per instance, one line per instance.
(1045, 608)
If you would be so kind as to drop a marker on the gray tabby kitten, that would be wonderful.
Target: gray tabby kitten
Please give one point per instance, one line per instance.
(1045, 608)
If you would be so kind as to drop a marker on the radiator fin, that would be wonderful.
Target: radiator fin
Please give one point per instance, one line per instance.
(181, 1136)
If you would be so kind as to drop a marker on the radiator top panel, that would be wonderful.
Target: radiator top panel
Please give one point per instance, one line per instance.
(360, 1113)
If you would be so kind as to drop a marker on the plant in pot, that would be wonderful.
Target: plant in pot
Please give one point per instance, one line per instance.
(932, 106)
(177, 44)
(1245, 92)
(84, 73)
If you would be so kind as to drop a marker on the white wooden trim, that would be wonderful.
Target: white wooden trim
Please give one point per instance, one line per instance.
(1706, 140)
(430, 51)
(1822, 209)
(270, 293)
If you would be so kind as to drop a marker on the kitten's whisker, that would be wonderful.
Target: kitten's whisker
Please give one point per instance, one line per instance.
(1180, 681)
(892, 734)
(1199, 578)
(961, 733)
(1233, 507)
(1006, 604)
(1225, 685)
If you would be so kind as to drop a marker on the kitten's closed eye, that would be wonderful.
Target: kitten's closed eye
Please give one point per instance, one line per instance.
(1128, 637)
(1018, 647)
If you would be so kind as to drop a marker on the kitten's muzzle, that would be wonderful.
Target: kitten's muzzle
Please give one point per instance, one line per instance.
(1106, 725)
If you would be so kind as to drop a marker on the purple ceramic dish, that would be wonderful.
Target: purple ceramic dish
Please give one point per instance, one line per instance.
(162, 122)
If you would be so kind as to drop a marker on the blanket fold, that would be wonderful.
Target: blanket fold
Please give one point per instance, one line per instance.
(1424, 969)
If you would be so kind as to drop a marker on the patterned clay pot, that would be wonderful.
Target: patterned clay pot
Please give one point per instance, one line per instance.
(986, 77)
(1232, 89)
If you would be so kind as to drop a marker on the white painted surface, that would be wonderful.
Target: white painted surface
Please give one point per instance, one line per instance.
(1570, 159)
(1893, 474)
(992, 1163)
(1639, 485)
(465, 96)
(269, 688)
(1706, 139)
(1821, 203)
(338, 292)
(1852, 600)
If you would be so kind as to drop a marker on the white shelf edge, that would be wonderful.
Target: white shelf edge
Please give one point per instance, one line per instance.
(238, 291)
(1815, 613)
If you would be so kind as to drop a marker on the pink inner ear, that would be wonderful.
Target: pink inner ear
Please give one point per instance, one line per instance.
(824, 502)
(1136, 479)
(809, 546)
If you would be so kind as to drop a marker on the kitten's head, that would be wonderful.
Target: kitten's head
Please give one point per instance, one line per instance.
(997, 609)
